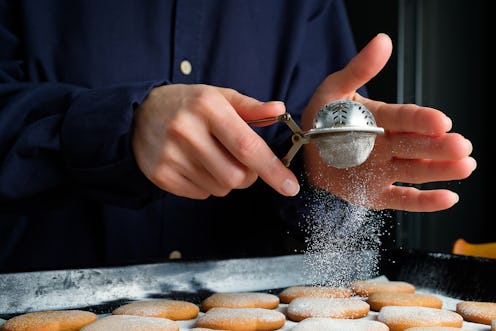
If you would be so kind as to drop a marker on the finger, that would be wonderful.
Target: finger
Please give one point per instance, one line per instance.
(408, 118)
(250, 109)
(224, 171)
(211, 167)
(251, 150)
(414, 200)
(425, 171)
(362, 68)
(344, 83)
(450, 146)
(171, 179)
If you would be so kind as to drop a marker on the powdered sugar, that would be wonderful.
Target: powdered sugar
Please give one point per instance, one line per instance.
(419, 316)
(134, 323)
(343, 239)
(305, 307)
(328, 324)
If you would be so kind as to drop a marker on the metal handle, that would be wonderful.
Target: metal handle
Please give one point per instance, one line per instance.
(298, 137)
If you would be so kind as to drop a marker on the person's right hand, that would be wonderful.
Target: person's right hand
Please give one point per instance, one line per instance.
(193, 141)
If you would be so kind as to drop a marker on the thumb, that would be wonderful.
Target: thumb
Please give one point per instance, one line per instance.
(362, 68)
(249, 108)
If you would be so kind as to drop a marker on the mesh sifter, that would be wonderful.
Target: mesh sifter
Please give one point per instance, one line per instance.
(344, 132)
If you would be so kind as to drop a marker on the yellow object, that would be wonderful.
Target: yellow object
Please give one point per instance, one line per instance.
(461, 247)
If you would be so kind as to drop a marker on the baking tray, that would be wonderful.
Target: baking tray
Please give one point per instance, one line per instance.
(101, 290)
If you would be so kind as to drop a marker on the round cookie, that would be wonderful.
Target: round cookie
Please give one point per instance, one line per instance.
(378, 300)
(241, 319)
(175, 310)
(364, 288)
(403, 317)
(437, 328)
(50, 320)
(290, 293)
(477, 311)
(132, 323)
(306, 307)
(329, 324)
(241, 300)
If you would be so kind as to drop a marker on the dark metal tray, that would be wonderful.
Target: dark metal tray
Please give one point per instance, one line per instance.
(103, 289)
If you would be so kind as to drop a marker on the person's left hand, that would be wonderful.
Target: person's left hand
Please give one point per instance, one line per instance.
(415, 149)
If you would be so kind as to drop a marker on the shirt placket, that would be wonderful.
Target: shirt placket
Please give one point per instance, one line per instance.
(187, 41)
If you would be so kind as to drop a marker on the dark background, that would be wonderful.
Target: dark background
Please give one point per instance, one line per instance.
(441, 60)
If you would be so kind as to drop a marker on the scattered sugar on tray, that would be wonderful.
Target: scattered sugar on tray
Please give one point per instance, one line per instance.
(343, 239)
(250, 275)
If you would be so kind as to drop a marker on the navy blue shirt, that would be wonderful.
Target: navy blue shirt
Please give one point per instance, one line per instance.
(71, 75)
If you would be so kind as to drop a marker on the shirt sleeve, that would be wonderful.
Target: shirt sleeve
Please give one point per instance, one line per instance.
(54, 136)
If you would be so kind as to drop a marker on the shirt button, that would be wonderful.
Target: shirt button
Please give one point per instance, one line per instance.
(185, 67)
(175, 255)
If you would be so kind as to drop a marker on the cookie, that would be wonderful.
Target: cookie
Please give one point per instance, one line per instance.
(241, 319)
(50, 320)
(477, 311)
(132, 323)
(403, 317)
(378, 300)
(290, 293)
(175, 310)
(241, 300)
(329, 324)
(438, 328)
(306, 307)
(364, 288)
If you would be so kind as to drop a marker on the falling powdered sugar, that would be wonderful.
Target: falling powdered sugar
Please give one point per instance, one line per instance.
(343, 239)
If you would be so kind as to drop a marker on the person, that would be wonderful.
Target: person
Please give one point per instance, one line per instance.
(124, 134)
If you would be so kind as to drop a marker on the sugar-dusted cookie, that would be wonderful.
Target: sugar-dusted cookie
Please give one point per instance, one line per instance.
(330, 324)
(290, 293)
(132, 323)
(437, 328)
(477, 311)
(241, 300)
(241, 319)
(378, 300)
(366, 287)
(306, 307)
(175, 310)
(51, 320)
(399, 318)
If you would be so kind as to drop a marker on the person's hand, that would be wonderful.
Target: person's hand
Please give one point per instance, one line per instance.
(415, 149)
(193, 141)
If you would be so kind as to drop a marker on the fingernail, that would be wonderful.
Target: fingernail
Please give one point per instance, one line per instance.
(290, 187)
(456, 198)
(475, 164)
(274, 102)
(470, 148)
